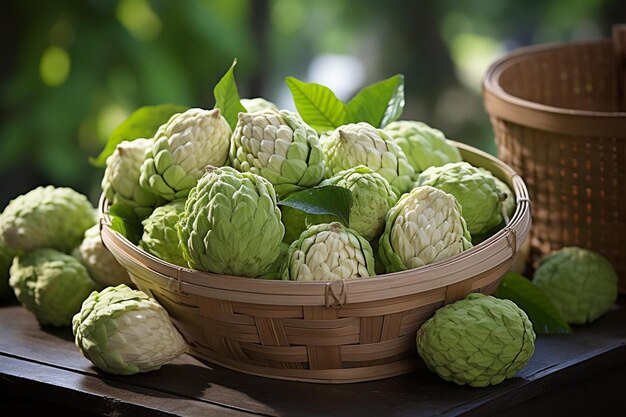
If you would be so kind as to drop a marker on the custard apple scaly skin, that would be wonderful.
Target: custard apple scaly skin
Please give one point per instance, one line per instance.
(160, 237)
(423, 146)
(328, 252)
(424, 226)
(47, 217)
(509, 203)
(102, 266)
(231, 224)
(120, 182)
(257, 104)
(582, 284)
(50, 284)
(477, 193)
(124, 331)
(372, 197)
(479, 341)
(183, 148)
(6, 258)
(360, 143)
(275, 270)
(279, 146)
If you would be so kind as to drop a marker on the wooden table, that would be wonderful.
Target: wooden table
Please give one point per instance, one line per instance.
(41, 370)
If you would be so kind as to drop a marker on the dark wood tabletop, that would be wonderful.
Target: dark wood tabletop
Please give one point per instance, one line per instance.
(41, 369)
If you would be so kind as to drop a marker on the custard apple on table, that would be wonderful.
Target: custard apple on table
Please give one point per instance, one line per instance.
(183, 147)
(120, 182)
(360, 143)
(47, 217)
(50, 284)
(279, 146)
(160, 237)
(231, 224)
(479, 341)
(124, 331)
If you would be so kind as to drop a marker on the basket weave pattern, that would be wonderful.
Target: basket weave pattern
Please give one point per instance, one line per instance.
(328, 332)
(558, 116)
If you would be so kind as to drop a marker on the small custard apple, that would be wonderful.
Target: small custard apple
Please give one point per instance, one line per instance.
(328, 252)
(582, 284)
(257, 104)
(50, 284)
(423, 146)
(360, 143)
(509, 203)
(124, 331)
(279, 146)
(231, 224)
(479, 341)
(424, 226)
(183, 147)
(47, 217)
(6, 258)
(102, 266)
(160, 237)
(476, 191)
(372, 197)
(120, 182)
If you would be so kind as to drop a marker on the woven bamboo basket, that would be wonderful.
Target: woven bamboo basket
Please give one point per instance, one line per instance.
(326, 332)
(558, 114)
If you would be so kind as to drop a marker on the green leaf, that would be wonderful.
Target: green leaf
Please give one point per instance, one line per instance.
(142, 123)
(227, 97)
(378, 104)
(125, 222)
(317, 105)
(327, 199)
(543, 314)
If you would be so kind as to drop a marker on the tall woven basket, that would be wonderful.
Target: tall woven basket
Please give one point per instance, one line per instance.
(558, 114)
(326, 332)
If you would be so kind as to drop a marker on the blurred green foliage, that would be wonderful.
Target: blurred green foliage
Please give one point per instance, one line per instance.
(72, 70)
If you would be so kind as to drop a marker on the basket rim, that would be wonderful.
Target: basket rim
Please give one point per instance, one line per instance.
(489, 254)
(578, 122)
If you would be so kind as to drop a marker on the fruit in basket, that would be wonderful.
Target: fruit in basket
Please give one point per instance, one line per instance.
(124, 331)
(480, 341)
(6, 258)
(372, 197)
(160, 237)
(424, 226)
(360, 143)
(279, 146)
(275, 270)
(102, 266)
(120, 182)
(582, 284)
(231, 224)
(328, 252)
(509, 204)
(50, 284)
(47, 217)
(476, 191)
(257, 104)
(423, 146)
(183, 147)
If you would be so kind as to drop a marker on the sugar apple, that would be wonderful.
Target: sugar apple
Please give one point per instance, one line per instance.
(275, 270)
(120, 182)
(423, 146)
(231, 224)
(50, 284)
(328, 252)
(257, 104)
(372, 197)
(6, 258)
(102, 266)
(160, 237)
(124, 331)
(47, 217)
(479, 341)
(509, 203)
(183, 147)
(279, 146)
(362, 144)
(424, 226)
(582, 284)
(477, 193)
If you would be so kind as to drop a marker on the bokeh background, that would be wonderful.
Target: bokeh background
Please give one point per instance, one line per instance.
(71, 70)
